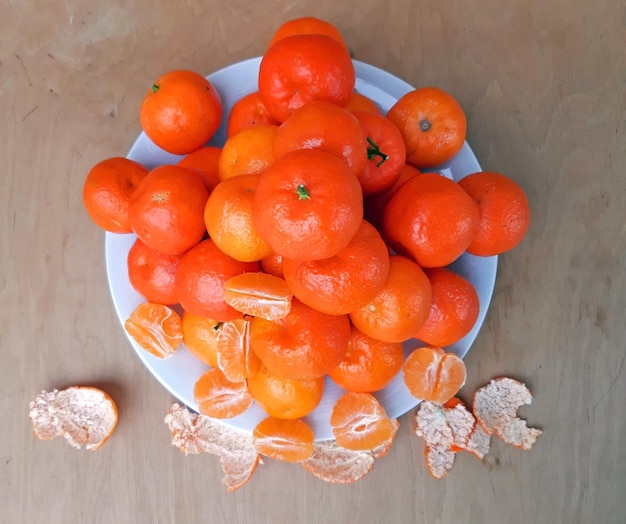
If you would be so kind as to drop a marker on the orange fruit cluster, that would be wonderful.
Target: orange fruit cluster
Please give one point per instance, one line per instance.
(309, 244)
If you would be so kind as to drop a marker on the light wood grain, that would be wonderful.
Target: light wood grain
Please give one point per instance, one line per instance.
(542, 83)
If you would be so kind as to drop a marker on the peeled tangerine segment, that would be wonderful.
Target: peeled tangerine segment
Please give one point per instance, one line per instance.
(433, 375)
(234, 356)
(84, 416)
(495, 408)
(286, 440)
(219, 397)
(359, 422)
(259, 295)
(193, 433)
(156, 328)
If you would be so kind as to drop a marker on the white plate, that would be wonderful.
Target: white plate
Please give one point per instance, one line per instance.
(179, 373)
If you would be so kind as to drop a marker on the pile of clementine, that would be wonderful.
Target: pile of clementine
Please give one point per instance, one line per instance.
(312, 243)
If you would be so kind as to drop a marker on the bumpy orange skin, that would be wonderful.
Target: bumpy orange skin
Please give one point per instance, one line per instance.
(345, 282)
(306, 344)
(433, 126)
(107, 192)
(504, 212)
(431, 219)
(308, 205)
(301, 68)
(200, 278)
(167, 209)
(181, 112)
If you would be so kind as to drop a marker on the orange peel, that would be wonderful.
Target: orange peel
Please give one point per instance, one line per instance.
(194, 433)
(495, 408)
(83, 415)
(333, 463)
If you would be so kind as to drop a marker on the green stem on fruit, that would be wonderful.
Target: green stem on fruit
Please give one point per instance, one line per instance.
(155, 88)
(375, 151)
(302, 193)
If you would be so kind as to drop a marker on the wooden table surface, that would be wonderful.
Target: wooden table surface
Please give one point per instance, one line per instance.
(542, 83)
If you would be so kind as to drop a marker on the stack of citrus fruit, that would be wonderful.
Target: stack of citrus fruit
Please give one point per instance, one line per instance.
(310, 244)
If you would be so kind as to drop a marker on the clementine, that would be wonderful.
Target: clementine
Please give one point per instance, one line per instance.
(369, 364)
(431, 219)
(453, 311)
(432, 123)
(205, 162)
(249, 110)
(152, 273)
(308, 205)
(327, 127)
(107, 192)
(301, 68)
(200, 278)
(166, 210)
(305, 344)
(181, 112)
(285, 398)
(347, 281)
(504, 212)
(229, 221)
(400, 307)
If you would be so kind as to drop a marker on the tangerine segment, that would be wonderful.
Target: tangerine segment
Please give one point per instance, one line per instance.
(433, 375)
(359, 422)
(285, 398)
(259, 295)
(193, 433)
(219, 397)
(156, 328)
(337, 465)
(382, 449)
(232, 346)
(286, 440)
(233, 354)
(83, 415)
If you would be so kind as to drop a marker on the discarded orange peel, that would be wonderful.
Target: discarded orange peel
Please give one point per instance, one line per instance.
(495, 408)
(447, 429)
(333, 463)
(193, 433)
(83, 415)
